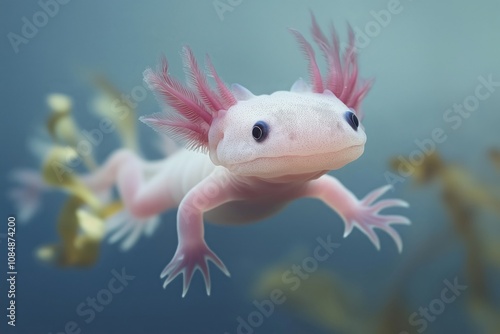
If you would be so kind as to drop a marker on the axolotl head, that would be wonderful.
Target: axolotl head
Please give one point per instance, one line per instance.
(287, 133)
(306, 131)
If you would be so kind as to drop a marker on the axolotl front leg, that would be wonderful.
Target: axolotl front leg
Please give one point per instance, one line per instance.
(363, 214)
(192, 251)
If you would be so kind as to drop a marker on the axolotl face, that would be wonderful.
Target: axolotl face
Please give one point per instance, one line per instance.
(286, 133)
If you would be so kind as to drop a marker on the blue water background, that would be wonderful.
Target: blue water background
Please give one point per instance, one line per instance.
(427, 58)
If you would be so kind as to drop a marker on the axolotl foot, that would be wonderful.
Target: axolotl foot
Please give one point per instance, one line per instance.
(187, 259)
(366, 217)
(123, 227)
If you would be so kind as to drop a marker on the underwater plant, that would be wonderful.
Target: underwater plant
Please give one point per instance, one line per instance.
(81, 220)
(322, 298)
(464, 198)
(495, 157)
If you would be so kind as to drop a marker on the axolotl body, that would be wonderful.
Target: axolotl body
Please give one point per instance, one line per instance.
(252, 155)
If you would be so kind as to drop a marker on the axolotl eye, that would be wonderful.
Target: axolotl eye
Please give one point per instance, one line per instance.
(352, 120)
(260, 131)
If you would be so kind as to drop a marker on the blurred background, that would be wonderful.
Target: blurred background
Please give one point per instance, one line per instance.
(432, 122)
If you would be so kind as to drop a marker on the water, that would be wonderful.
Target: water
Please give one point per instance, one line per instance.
(425, 58)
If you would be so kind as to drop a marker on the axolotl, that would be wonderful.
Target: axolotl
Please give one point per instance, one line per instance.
(249, 155)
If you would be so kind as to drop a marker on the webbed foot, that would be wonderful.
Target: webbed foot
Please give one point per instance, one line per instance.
(186, 260)
(365, 215)
(128, 229)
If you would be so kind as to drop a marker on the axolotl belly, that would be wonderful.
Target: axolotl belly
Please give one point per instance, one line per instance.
(184, 169)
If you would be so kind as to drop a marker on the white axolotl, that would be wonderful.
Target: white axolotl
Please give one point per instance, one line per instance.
(263, 152)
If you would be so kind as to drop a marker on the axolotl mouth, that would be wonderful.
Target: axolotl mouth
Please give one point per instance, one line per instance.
(276, 166)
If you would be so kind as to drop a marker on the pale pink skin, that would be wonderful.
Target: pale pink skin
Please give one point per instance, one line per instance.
(242, 180)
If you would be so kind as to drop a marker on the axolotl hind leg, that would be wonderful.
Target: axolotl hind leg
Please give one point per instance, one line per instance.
(143, 199)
